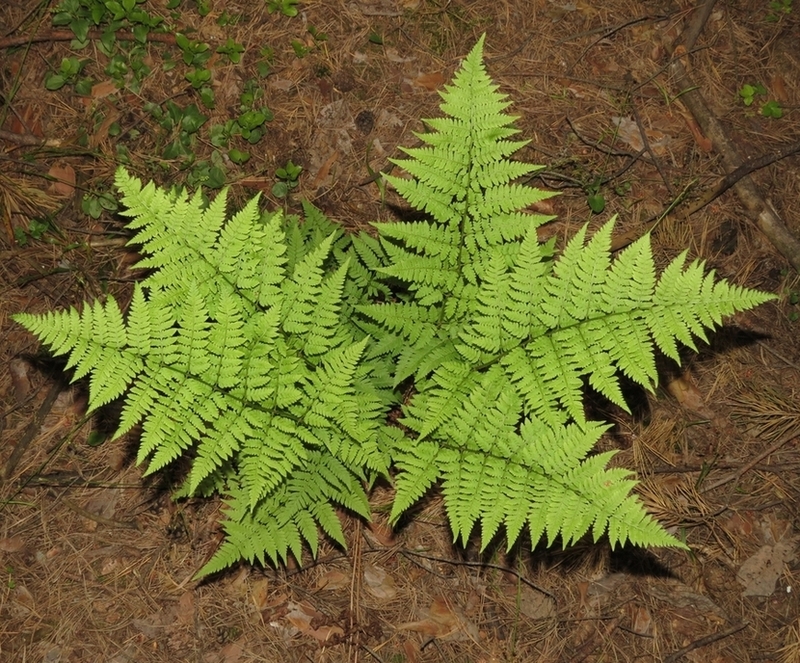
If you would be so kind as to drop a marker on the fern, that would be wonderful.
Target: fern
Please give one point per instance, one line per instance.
(236, 352)
(270, 351)
(501, 338)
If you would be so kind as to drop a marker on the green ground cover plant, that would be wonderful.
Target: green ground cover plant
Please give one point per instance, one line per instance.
(271, 350)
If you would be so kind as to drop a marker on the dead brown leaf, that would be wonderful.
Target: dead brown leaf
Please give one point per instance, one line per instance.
(260, 593)
(324, 171)
(12, 544)
(333, 579)
(231, 653)
(760, 572)
(63, 183)
(689, 396)
(778, 86)
(103, 89)
(379, 583)
(18, 370)
(184, 611)
(536, 605)
(641, 619)
(703, 143)
(381, 533)
(308, 621)
(430, 82)
(411, 650)
(445, 621)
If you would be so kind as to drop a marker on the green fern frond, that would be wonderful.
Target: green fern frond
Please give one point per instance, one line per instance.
(303, 289)
(289, 515)
(510, 336)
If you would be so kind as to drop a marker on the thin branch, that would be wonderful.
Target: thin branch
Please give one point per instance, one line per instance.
(608, 31)
(767, 219)
(699, 21)
(486, 565)
(703, 642)
(646, 144)
(735, 476)
(68, 35)
(606, 35)
(33, 429)
(27, 139)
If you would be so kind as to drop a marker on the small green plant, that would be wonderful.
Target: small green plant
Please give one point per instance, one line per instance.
(181, 124)
(68, 72)
(316, 35)
(11, 583)
(95, 204)
(238, 156)
(285, 7)
(264, 64)
(194, 53)
(288, 179)
(82, 15)
(232, 49)
(770, 108)
(778, 9)
(748, 93)
(198, 77)
(300, 49)
(210, 174)
(270, 352)
(36, 230)
(249, 125)
(594, 197)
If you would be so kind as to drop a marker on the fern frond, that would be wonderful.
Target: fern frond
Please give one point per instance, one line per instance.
(96, 341)
(440, 397)
(289, 515)
(303, 289)
(325, 331)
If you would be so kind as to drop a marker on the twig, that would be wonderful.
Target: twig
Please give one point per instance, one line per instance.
(778, 355)
(725, 183)
(646, 144)
(32, 429)
(586, 33)
(606, 35)
(588, 646)
(456, 562)
(702, 642)
(774, 468)
(699, 21)
(97, 518)
(768, 221)
(749, 166)
(68, 35)
(27, 139)
(735, 476)
(597, 145)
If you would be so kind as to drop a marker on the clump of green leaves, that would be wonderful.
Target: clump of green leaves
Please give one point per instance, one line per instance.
(286, 7)
(288, 179)
(749, 93)
(778, 9)
(68, 72)
(37, 228)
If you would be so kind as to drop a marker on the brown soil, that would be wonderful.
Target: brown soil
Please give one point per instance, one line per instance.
(97, 561)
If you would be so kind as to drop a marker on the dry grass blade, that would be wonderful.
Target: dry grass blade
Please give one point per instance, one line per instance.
(790, 652)
(767, 414)
(18, 198)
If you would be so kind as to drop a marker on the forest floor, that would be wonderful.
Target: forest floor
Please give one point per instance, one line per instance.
(97, 562)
